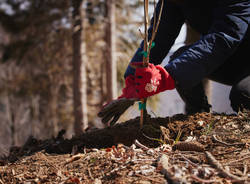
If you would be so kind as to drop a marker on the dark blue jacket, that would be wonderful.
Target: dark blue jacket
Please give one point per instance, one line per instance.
(223, 24)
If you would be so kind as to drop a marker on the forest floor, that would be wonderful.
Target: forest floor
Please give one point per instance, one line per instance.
(202, 148)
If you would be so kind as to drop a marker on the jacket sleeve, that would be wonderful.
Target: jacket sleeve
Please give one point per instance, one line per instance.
(229, 27)
(169, 28)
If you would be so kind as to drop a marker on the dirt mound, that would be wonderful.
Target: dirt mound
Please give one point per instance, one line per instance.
(203, 148)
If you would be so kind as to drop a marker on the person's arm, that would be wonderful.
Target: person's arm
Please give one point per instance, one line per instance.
(169, 28)
(231, 21)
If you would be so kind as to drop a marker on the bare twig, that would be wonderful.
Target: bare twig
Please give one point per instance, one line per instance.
(189, 161)
(147, 47)
(229, 163)
(90, 174)
(163, 166)
(229, 152)
(143, 147)
(245, 170)
(222, 171)
(155, 27)
(200, 180)
(74, 158)
(225, 143)
(158, 22)
(118, 168)
(1, 181)
(153, 139)
(146, 31)
(149, 178)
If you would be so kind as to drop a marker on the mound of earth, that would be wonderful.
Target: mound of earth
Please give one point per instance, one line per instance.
(202, 148)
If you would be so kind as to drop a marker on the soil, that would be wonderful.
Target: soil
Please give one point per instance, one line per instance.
(202, 148)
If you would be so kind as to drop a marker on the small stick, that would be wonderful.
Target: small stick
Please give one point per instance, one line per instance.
(90, 174)
(74, 158)
(200, 180)
(1, 181)
(137, 143)
(225, 143)
(149, 178)
(229, 152)
(248, 157)
(142, 112)
(245, 170)
(147, 47)
(219, 167)
(189, 161)
(155, 28)
(118, 168)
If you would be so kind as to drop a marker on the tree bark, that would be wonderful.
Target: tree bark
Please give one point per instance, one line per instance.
(111, 70)
(79, 71)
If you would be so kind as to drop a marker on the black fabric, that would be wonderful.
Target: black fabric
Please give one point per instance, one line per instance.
(237, 76)
(236, 67)
(195, 99)
(240, 95)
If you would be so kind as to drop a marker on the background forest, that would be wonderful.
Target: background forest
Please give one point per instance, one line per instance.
(57, 56)
(61, 60)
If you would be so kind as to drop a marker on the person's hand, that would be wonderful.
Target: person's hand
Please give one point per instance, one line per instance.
(111, 112)
(129, 91)
(151, 80)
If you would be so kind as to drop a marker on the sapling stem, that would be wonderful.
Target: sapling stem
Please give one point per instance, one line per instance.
(148, 44)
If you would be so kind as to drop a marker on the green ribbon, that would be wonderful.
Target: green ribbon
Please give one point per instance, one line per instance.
(142, 105)
(144, 53)
(153, 45)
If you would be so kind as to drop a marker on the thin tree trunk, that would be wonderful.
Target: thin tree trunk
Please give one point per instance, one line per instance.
(10, 120)
(111, 70)
(53, 109)
(79, 83)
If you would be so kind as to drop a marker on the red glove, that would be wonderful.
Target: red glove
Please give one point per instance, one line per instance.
(129, 91)
(151, 80)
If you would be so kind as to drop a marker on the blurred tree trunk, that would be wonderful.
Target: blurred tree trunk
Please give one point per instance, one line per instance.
(110, 57)
(53, 106)
(191, 37)
(79, 70)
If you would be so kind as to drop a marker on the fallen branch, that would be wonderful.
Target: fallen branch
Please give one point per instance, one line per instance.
(245, 170)
(1, 181)
(140, 145)
(149, 178)
(189, 161)
(118, 168)
(220, 168)
(200, 180)
(229, 163)
(214, 138)
(229, 152)
(163, 166)
(74, 158)
(90, 174)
